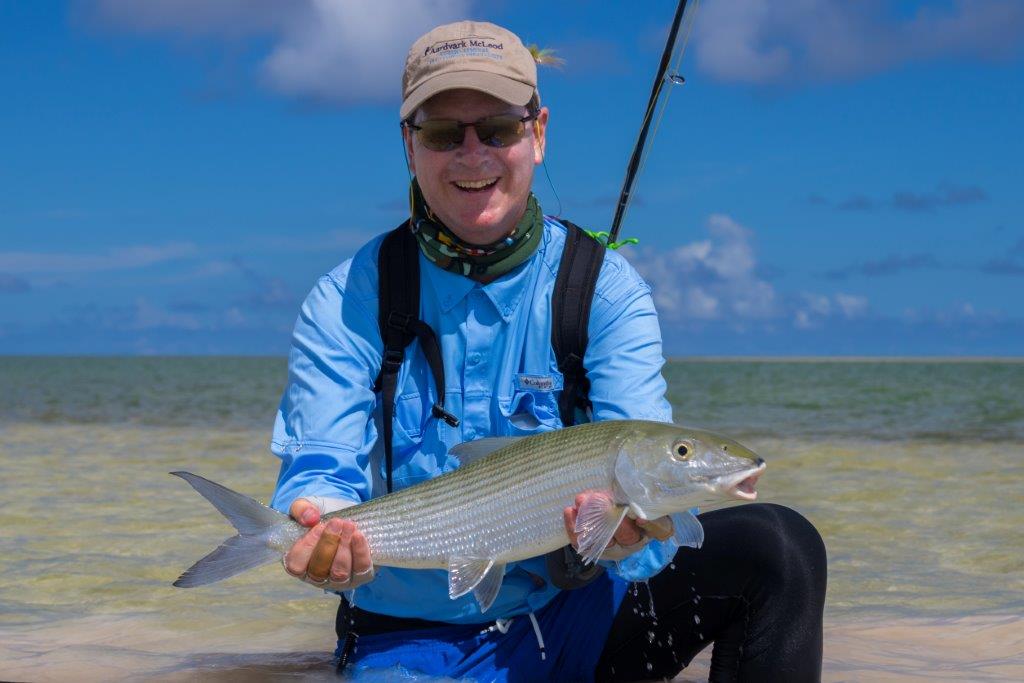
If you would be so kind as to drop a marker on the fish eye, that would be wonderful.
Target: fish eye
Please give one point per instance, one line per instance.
(682, 451)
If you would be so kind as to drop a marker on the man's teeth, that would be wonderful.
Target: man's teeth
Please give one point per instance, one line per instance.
(475, 184)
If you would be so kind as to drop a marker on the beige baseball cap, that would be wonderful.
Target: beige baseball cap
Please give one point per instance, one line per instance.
(468, 54)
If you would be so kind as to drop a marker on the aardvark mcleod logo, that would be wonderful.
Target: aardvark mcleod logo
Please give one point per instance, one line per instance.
(472, 46)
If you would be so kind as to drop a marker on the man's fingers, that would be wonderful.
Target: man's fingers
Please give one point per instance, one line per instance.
(628, 532)
(361, 562)
(304, 512)
(297, 559)
(569, 517)
(323, 554)
(341, 569)
(661, 528)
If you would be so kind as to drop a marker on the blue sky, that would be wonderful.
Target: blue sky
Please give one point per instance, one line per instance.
(834, 177)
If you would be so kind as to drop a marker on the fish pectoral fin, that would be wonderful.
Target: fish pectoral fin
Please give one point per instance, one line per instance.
(689, 531)
(596, 522)
(471, 451)
(487, 590)
(465, 573)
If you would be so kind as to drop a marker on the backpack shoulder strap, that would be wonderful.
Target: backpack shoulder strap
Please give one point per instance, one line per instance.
(398, 293)
(570, 315)
(398, 316)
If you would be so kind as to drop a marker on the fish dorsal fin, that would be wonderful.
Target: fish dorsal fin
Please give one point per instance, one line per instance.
(471, 451)
(596, 522)
(464, 573)
(689, 531)
(487, 590)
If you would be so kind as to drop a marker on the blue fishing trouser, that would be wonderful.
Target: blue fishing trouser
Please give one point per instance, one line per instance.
(560, 642)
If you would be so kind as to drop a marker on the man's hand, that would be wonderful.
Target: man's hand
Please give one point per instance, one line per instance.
(332, 555)
(631, 535)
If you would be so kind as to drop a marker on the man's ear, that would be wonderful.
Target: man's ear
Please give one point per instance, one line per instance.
(410, 155)
(540, 126)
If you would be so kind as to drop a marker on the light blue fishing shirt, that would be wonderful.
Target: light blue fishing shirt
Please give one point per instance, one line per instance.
(496, 343)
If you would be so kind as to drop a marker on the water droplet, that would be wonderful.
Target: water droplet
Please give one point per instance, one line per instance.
(700, 636)
(672, 566)
(696, 600)
(668, 639)
(650, 597)
(635, 611)
(696, 619)
(650, 667)
(650, 636)
(676, 79)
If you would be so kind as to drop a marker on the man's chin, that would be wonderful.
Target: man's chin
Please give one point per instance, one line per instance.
(483, 228)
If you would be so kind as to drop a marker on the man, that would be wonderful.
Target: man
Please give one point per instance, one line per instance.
(474, 130)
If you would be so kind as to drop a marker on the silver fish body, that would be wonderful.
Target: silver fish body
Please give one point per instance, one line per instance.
(505, 502)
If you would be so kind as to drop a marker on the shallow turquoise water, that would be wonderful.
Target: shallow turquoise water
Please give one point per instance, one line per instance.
(912, 471)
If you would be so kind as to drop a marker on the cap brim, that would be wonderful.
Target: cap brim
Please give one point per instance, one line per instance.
(506, 89)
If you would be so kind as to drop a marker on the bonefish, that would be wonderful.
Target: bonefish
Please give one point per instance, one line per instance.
(505, 502)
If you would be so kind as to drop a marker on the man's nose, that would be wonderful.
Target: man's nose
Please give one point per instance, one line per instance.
(471, 142)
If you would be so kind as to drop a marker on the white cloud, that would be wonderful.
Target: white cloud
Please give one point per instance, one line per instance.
(814, 309)
(772, 41)
(716, 280)
(851, 305)
(327, 50)
(120, 258)
(709, 279)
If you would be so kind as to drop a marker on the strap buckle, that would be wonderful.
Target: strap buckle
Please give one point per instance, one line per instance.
(392, 361)
(400, 321)
(442, 414)
(570, 364)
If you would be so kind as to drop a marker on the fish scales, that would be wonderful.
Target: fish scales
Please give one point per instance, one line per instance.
(516, 498)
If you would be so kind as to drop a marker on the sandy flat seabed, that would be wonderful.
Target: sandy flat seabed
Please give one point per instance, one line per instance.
(980, 648)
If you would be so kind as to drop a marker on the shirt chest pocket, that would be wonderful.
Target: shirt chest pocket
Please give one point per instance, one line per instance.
(410, 465)
(532, 406)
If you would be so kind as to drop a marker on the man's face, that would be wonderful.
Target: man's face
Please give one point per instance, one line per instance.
(477, 216)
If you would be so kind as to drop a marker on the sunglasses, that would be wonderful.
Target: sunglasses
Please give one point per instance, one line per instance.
(442, 135)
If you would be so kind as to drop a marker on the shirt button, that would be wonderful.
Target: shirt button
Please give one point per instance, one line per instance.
(474, 358)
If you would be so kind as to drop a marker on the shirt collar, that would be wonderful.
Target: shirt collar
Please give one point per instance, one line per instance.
(505, 293)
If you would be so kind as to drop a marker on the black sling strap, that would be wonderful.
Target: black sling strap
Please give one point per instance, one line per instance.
(398, 317)
(570, 315)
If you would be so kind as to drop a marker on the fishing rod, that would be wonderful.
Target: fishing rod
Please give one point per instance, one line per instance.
(671, 57)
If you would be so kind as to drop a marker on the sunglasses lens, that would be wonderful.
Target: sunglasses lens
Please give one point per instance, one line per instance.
(499, 131)
(441, 136)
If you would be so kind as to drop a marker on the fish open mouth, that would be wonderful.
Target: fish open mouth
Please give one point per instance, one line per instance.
(743, 484)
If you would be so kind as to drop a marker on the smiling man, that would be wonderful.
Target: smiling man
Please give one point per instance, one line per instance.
(477, 265)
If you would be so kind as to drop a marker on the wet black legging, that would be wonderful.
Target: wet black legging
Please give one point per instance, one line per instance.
(756, 589)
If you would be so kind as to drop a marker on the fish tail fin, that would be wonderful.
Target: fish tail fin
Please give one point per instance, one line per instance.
(233, 556)
(247, 550)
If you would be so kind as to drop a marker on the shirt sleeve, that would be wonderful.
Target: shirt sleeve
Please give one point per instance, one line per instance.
(323, 431)
(624, 361)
